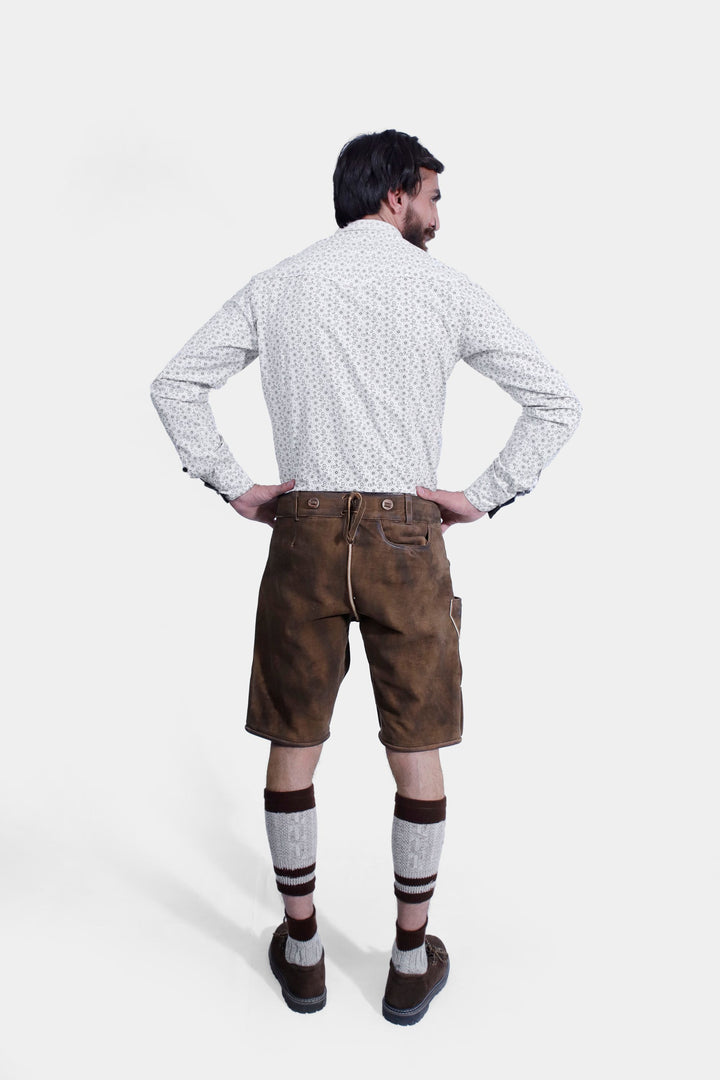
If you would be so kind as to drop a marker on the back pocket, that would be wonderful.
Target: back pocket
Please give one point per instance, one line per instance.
(404, 534)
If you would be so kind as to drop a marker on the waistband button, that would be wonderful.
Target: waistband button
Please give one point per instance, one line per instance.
(387, 504)
(313, 503)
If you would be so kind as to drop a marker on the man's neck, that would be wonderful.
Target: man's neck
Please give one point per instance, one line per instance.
(383, 215)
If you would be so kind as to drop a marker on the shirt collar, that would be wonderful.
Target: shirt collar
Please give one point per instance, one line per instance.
(371, 225)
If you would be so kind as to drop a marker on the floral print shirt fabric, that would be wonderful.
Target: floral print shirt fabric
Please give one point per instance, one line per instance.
(356, 337)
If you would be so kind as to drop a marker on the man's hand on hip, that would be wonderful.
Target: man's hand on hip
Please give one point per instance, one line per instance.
(260, 502)
(455, 507)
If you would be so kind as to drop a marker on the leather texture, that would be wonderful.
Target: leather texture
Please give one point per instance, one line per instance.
(303, 988)
(407, 997)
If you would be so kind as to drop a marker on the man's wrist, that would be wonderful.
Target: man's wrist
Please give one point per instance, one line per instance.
(236, 493)
(230, 495)
(491, 511)
(473, 501)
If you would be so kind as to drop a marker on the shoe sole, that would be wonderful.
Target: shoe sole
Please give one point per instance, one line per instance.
(412, 1016)
(297, 1004)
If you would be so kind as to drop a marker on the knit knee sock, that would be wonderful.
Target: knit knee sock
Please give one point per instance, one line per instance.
(417, 839)
(291, 824)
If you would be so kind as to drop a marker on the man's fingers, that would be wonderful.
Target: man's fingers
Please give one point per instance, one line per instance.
(271, 491)
(259, 494)
(434, 496)
(260, 501)
(454, 505)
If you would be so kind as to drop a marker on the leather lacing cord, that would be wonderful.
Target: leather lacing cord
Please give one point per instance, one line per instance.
(354, 512)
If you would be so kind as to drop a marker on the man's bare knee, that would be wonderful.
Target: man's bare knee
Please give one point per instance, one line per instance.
(291, 768)
(418, 774)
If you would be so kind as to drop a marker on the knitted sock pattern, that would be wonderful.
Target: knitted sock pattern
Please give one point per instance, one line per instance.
(303, 945)
(417, 839)
(418, 833)
(408, 952)
(291, 824)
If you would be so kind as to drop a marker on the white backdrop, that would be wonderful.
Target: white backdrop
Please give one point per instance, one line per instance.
(161, 154)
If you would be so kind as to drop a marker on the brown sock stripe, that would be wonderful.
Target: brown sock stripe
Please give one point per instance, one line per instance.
(414, 880)
(289, 802)
(420, 811)
(409, 939)
(303, 871)
(297, 890)
(301, 929)
(413, 898)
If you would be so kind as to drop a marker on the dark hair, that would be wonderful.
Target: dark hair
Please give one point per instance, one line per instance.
(371, 165)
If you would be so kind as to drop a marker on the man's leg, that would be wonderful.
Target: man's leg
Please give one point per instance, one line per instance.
(417, 839)
(292, 768)
(290, 819)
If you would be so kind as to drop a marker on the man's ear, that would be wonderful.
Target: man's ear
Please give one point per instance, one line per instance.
(395, 200)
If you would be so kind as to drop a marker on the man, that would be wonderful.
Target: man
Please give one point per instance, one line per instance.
(356, 337)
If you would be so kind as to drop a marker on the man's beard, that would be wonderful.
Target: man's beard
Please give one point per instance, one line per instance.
(413, 230)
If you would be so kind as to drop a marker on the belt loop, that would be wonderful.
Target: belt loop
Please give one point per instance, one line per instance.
(408, 509)
(296, 504)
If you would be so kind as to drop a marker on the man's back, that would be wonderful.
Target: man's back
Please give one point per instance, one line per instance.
(356, 337)
(356, 341)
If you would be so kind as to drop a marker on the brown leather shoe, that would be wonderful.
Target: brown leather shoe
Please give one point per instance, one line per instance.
(302, 987)
(407, 997)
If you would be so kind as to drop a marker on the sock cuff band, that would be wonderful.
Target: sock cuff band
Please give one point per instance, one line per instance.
(289, 802)
(303, 889)
(420, 811)
(414, 898)
(302, 929)
(409, 939)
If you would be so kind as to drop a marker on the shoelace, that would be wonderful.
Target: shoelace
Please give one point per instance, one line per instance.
(435, 954)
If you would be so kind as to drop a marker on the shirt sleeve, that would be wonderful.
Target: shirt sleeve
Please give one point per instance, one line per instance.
(226, 344)
(492, 345)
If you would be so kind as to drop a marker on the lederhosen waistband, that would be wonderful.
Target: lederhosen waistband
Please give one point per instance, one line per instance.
(391, 506)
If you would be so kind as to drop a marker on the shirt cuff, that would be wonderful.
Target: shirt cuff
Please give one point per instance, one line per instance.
(496, 508)
(229, 495)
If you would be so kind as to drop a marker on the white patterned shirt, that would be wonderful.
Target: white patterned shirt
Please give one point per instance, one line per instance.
(356, 337)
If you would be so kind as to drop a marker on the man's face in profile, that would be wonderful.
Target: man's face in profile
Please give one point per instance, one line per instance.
(421, 218)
